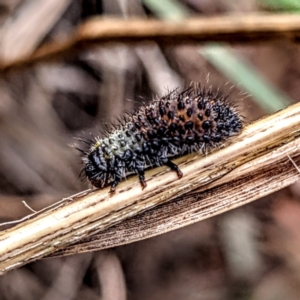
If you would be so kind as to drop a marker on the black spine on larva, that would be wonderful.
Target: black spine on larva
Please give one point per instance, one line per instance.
(179, 123)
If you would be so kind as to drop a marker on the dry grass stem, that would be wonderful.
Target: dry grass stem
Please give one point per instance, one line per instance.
(252, 165)
(231, 28)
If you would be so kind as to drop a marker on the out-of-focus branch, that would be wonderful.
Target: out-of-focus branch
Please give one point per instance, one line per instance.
(231, 29)
(262, 146)
(20, 35)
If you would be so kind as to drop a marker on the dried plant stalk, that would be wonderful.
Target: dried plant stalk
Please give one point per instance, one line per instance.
(251, 181)
(231, 28)
(262, 145)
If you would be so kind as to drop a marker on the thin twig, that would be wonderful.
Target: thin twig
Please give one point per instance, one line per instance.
(231, 29)
(261, 146)
(31, 209)
(55, 205)
(293, 162)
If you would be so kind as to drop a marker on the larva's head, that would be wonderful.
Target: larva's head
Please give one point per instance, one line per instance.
(96, 168)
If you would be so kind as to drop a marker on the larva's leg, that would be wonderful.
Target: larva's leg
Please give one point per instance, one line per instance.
(139, 169)
(117, 174)
(166, 161)
(114, 184)
(141, 173)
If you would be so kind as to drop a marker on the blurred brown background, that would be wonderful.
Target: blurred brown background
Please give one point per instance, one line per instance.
(249, 253)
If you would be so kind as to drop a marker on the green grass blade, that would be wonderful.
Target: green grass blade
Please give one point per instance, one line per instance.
(241, 72)
(284, 5)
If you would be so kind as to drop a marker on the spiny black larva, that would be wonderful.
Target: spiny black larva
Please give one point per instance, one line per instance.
(179, 123)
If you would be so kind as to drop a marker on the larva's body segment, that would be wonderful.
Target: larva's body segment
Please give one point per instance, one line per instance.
(179, 123)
